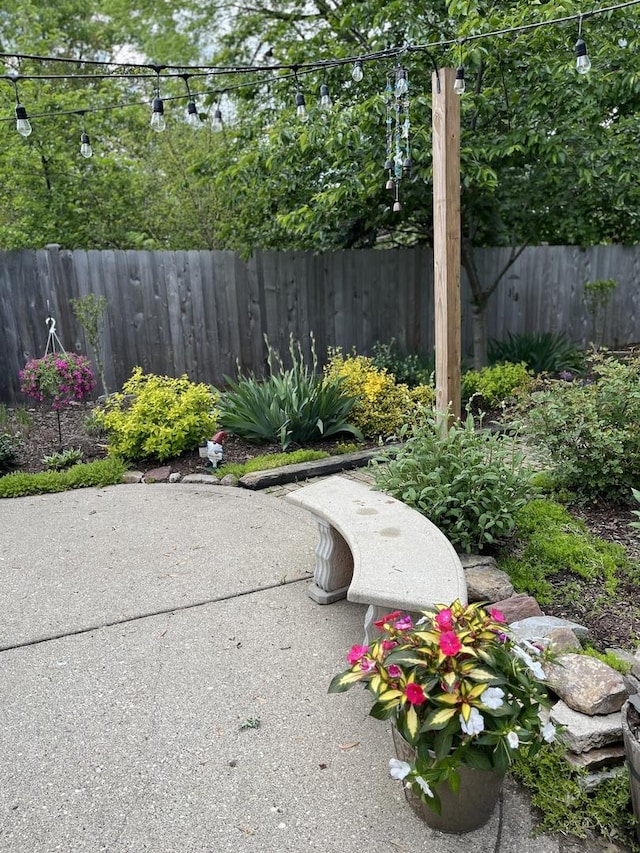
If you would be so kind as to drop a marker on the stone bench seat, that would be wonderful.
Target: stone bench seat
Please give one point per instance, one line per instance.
(375, 550)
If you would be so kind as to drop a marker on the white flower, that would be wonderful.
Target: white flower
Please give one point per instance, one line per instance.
(474, 725)
(492, 698)
(533, 665)
(513, 740)
(425, 787)
(549, 732)
(398, 769)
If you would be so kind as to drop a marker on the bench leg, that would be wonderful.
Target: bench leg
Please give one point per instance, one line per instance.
(334, 566)
(372, 615)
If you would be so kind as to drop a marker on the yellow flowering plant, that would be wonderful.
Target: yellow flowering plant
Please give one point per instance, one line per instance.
(459, 688)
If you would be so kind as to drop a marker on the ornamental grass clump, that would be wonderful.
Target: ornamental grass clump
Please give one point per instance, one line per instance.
(459, 689)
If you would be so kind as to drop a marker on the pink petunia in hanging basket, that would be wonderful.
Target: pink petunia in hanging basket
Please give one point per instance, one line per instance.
(59, 378)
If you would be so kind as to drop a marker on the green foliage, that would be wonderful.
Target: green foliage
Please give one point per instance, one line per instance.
(268, 461)
(382, 406)
(547, 352)
(470, 483)
(291, 405)
(597, 295)
(62, 459)
(104, 472)
(565, 806)
(89, 311)
(548, 543)
(410, 370)
(495, 385)
(611, 659)
(157, 417)
(9, 447)
(344, 447)
(589, 430)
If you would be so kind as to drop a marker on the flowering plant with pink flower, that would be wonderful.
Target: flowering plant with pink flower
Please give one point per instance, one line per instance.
(459, 688)
(58, 378)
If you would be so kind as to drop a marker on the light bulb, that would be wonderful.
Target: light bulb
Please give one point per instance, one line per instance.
(301, 107)
(193, 119)
(397, 207)
(157, 116)
(23, 126)
(459, 84)
(583, 63)
(217, 119)
(357, 73)
(402, 84)
(325, 98)
(85, 146)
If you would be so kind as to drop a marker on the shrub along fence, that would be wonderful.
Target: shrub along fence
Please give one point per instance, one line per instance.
(201, 312)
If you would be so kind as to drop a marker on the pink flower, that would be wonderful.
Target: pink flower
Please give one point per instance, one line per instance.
(496, 614)
(449, 643)
(415, 694)
(444, 620)
(394, 671)
(367, 665)
(387, 645)
(356, 653)
(404, 624)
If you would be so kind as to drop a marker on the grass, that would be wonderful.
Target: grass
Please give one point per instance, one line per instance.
(266, 462)
(103, 472)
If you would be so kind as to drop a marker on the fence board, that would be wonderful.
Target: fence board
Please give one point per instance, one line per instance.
(197, 311)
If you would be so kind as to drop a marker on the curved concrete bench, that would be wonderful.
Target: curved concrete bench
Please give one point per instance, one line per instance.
(375, 550)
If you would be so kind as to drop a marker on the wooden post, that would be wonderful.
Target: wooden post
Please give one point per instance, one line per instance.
(446, 242)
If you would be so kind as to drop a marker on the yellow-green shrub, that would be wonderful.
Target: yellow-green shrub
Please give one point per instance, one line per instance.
(382, 406)
(157, 416)
(496, 384)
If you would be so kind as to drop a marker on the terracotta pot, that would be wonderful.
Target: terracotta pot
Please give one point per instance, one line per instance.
(469, 808)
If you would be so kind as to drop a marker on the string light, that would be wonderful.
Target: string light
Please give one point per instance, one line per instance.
(357, 72)
(301, 106)
(217, 119)
(158, 122)
(325, 98)
(583, 63)
(459, 83)
(85, 143)
(192, 115)
(23, 125)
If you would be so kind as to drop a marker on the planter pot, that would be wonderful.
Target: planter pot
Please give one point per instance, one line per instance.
(630, 734)
(468, 809)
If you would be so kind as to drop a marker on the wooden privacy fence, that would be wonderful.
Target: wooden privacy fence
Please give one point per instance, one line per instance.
(201, 312)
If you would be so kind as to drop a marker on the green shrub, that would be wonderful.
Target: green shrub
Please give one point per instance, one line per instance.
(104, 472)
(589, 431)
(547, 352)
(291, 405)
(157, 417)
(495, 385)
(469, 483)
(382, 406)
(9, 447)
(62, 459)
(550, 543)
(411, 369)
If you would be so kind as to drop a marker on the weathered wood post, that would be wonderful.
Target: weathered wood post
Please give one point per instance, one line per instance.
(446, 242)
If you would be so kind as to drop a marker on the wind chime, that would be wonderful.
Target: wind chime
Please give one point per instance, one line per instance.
(398, 159)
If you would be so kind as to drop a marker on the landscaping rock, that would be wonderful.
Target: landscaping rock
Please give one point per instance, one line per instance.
(586, 684)
(518, 607)
(582, 732)
(229, 480)
(539, 627)
(175, 477)
(562, 640)
(157, 475)
(485, 581)
(199, 479)
(595, 759)
(132, 477)
(632, 684)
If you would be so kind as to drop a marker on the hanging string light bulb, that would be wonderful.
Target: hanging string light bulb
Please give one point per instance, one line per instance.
(583, 63)
(23, 125)
(192, 115)
(301, 105)
(325, 98)
(85, 143)
(357, 72)
(217, 119)
(158, 122)
(459, 83)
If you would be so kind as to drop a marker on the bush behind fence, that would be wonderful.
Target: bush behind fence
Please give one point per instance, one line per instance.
(201, 312)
